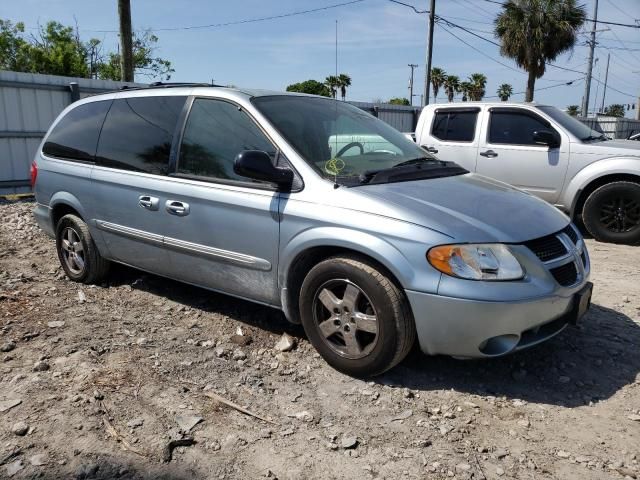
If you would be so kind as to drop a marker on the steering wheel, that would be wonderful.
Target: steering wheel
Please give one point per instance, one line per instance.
(350, 145)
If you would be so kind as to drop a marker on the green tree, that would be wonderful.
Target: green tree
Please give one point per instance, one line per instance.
(465, 90)
(451, 86)
(312, 87)
(535, 32)
(144, 62)
(57, 49)
(437, 79)
(344, 81)
(504, 92)
(399, 101)
(332, 84)
(614, 110)
(13, 48)
(478, 83)
(573, 110)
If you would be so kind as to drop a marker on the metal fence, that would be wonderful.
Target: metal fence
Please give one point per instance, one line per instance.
(28, 104)
(613, 127)
(401, 117)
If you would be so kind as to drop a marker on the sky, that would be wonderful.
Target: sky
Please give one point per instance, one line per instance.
(377, 39)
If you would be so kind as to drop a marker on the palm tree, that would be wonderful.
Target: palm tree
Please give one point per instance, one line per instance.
(437, 79)
(478, 83)
(465, 89)
(535, 32)
(573, 110)
(333, 83)
(451, 85)
(505, 91)
(344, 81)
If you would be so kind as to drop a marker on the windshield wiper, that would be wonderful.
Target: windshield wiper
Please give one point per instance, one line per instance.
(435, 164)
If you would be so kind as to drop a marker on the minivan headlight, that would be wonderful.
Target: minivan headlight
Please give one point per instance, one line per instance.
(482, 261)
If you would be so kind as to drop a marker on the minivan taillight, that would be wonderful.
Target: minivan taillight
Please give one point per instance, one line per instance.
(34, 174)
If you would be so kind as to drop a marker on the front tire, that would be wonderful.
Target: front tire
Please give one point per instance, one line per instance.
(612, 213)
(355, 316)
(77, 251)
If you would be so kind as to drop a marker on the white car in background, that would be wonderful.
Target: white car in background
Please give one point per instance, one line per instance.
(547, 153)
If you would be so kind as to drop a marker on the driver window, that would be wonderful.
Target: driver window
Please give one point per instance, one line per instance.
(515, 128)
(216, 131)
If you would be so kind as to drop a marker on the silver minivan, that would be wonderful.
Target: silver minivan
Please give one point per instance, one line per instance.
(312, 206)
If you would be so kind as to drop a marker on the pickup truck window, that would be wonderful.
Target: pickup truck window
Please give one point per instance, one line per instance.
(454, 125)
(514, 127)
(573, 125)
(215, 133)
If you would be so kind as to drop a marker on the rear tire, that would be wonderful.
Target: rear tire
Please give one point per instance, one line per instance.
(355, 316)
(612, 213)
(77, 251)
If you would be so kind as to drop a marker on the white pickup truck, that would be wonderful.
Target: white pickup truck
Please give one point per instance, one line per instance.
(547, 153)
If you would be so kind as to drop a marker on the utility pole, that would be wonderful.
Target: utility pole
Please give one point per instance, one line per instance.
(411, 66)
(126, 41)
(606, 77)
(427, 73)
(592, 46)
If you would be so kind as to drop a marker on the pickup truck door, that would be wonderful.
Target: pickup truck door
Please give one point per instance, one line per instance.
(509, 153)
(452, 134)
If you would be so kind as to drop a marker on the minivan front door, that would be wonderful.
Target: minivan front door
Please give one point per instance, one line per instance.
(221, 229)
(509, 153)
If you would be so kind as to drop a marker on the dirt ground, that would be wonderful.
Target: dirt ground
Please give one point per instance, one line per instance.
(95, 382)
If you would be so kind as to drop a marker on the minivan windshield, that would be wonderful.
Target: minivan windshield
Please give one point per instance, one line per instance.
(345, 144)
(572, 124)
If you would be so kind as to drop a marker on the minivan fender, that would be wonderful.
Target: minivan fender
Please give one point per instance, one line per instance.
(596, 170)
(361, 242)
(68, 199)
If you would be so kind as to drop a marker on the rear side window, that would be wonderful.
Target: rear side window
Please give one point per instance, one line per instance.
(217, 131)
(455, 125)
(514, 128)
(75, 136)
(138, 133)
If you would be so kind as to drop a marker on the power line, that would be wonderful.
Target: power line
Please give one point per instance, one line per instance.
(570, 82)
(410, 6)
(619, 9)
(240, 22)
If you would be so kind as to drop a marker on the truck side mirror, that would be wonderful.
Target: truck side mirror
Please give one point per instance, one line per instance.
(546, 137)
(257, 165)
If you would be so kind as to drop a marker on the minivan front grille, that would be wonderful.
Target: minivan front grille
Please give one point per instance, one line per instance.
(566, 275)
(557, 252)
(547, 248)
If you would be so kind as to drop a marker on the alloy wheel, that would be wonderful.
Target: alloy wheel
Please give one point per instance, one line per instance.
(620, 214)
(346, 318)
(72, 251)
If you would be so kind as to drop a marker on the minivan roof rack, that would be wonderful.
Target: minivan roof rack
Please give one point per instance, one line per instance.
(170, 85)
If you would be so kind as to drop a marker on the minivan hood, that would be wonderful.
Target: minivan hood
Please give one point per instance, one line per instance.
(470, 208)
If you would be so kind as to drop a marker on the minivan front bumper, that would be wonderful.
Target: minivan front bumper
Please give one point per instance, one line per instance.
(476, 329)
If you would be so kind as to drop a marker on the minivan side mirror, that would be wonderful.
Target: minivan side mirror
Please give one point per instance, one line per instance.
(257, 165)
(546, 137)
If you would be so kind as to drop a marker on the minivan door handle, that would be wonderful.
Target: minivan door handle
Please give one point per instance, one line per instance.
(148, 202)
(489, 154)
(174, 207)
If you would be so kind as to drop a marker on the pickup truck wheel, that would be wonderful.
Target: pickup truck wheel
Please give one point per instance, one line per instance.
(356, 318)
(612, 213)
(77, 252)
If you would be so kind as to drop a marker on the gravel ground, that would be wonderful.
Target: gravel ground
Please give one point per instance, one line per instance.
(103, 382)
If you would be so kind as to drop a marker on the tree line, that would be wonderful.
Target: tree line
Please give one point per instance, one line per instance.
(57, 49)
(329, 88)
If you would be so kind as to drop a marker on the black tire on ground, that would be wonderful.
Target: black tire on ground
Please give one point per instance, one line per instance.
(367, 326)
(77, 252)
(612, 213)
